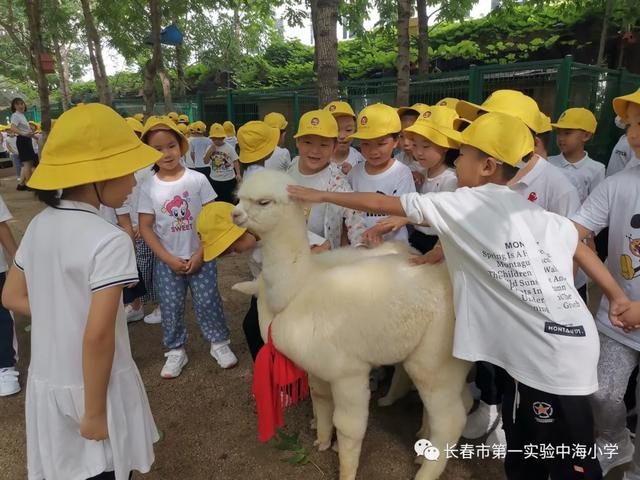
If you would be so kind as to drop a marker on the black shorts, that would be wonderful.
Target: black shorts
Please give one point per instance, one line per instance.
(25, 149)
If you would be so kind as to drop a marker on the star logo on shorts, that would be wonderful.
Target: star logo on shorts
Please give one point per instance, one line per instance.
(543, 412)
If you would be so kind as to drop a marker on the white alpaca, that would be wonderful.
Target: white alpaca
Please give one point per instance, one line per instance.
(341, 313)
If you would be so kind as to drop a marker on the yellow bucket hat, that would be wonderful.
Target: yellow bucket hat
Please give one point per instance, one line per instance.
(257, 141)
(620, 103)
(4, 128)
(217, 131)
(577, 118)
(138, 116)
(436, 116)
(198, 127)
(183, 118)
(340, 109)
(78, 152)
(173, 116)
(505, 137)
(318, 122)
(164, 123)
(447, 102)
(217, 231)
(135, 125)
(35, 125)
(276, 120)
(417, 108)
(182, 128)
(511, 102)
(229, 129)
(377, 120)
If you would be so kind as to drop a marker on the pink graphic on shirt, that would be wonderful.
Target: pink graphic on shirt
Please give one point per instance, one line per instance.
(178, 208)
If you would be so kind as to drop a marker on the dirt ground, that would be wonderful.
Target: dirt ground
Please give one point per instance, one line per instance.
(207, 415)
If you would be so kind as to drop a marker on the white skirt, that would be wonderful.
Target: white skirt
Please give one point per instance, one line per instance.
(55, 449)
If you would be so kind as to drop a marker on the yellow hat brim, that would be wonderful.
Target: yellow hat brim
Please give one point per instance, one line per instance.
(620, 103)
(370, 135)
(573, 126)
(215, 249)
(184, 143)
(424, 129)
(469, 111)
(266, 150)
(54, 177)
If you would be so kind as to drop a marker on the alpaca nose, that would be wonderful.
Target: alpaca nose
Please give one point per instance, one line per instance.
(237, 216)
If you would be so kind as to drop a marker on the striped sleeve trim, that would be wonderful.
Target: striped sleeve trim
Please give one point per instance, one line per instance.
(18, 266)
(118, 281)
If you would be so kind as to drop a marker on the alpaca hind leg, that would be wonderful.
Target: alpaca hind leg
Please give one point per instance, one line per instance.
(351, 400)
(323, 412)
(400, 386)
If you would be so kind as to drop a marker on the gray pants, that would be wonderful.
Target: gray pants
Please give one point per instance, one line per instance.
(615, 366)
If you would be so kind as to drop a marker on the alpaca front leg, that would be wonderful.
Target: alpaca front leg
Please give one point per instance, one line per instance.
(400, 386)
(322, 411)
(351, 400)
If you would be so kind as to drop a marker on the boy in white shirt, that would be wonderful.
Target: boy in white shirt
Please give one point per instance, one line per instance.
(198, 146)
(615, 203)
(575, 128)
(225, 168)
(378, 130)
(345, 157)
(280, 158)
(511, 264)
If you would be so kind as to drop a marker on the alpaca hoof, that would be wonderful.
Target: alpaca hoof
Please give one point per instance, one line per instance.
(386, 401)
(313, 423)
(322, 446)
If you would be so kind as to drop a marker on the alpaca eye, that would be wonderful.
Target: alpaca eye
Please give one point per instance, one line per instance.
(264, 202)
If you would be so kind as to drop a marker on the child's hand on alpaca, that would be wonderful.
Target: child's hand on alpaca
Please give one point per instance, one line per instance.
(391, 224)
(433, 256)
(195, 262)
(94, 427)
(177, 265)
(305, 194)
(346, 167)
(418, 178)
(372, 237)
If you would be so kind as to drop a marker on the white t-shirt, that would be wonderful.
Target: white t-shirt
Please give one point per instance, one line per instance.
(19, 121)
(353, 158)
(109, 214)
(67, 253)
(319, 181)
(447, 181)
(547, 187)
(231, 141)
(176, 206)
(3, 143)
(511, 266)
(615, 203)
(222, 162)
(394, 181)
(199, 146)
(5, 215)
(584, 174)
(280, 159)
(621, 156)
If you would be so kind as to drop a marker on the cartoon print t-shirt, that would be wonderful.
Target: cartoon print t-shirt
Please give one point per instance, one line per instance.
(222, 162)
(615, 203)
(176, 205)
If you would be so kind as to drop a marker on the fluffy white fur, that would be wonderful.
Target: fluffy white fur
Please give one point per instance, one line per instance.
(341, 313)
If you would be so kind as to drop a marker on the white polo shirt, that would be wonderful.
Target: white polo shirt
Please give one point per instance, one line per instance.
(511, 265)
(394, 181)
(615, 203)
(280, 159)
(585, 174)
(198, 146)
(621, 156)
(5, 215)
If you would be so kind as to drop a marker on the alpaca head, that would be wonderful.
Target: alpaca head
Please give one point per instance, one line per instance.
(264, 203)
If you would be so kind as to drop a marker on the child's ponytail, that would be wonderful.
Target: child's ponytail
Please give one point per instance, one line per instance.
(50, 198)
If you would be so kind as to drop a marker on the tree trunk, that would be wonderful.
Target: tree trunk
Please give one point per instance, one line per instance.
(34, 13)
(155, 62)
(63, 65)
(180, 71)
(326, 48)
(423, 38)
(148, 89)
(603, 33)
(402, 62)
(95, 55)
(166, 88)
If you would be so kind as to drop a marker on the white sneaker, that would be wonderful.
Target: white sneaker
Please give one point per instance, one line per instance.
(154, 317)
(9, 384)
(133, 315)
(176, 360)
(497, 437)
(623, 454)
(223, 354)
(481, 421)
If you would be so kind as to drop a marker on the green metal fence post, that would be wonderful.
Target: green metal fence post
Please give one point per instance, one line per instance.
(563, 89)
(200, 101)
(622, 80)
(475, 84)
(230, 112)
(296, 109)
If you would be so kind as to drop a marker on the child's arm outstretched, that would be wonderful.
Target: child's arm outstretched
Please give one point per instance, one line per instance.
(98, 348)
(595, 269)
(145, 224)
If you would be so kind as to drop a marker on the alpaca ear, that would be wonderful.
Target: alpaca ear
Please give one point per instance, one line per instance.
(248, 288)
